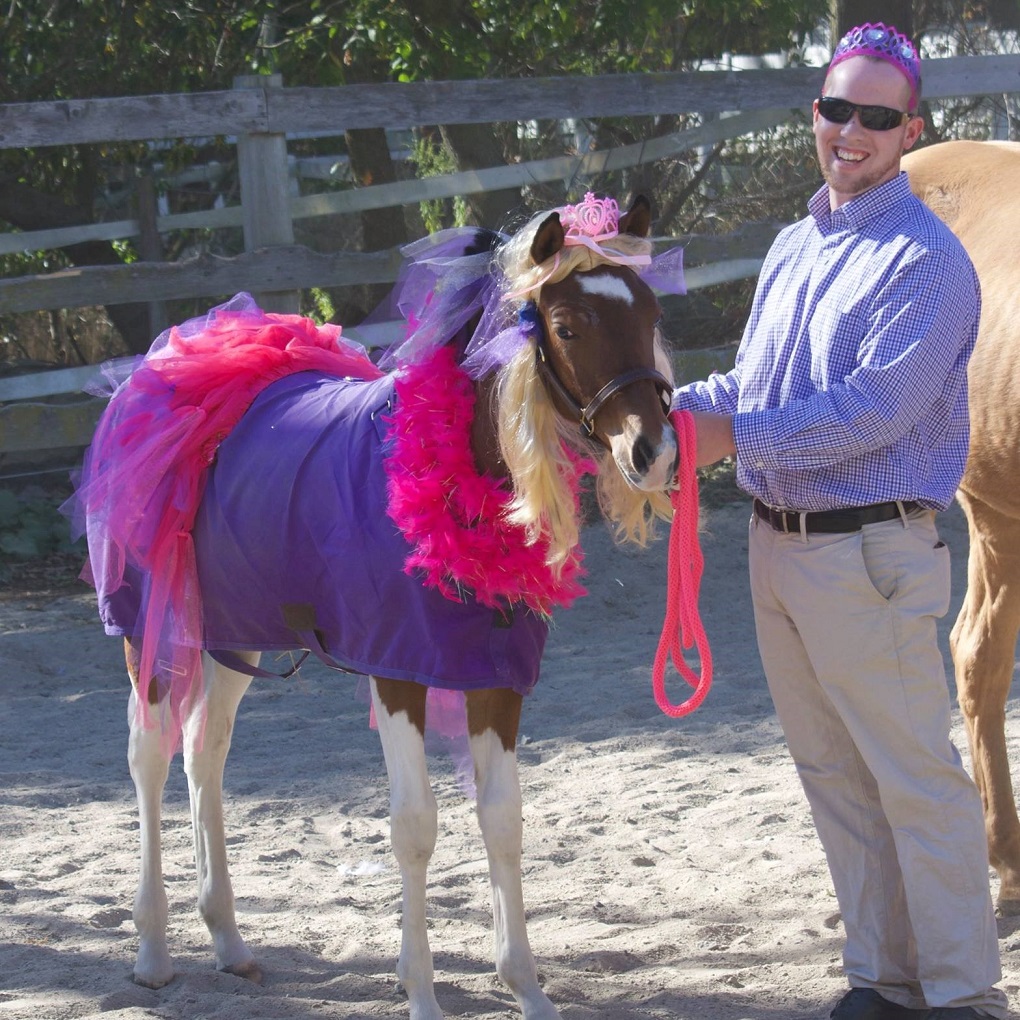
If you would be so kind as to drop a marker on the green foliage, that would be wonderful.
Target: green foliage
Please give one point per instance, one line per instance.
(323, 309)
(432, 160)
(452, 39)
(77, 49)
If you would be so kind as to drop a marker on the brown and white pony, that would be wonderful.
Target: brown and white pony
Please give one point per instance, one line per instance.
(975, 188)
(601, 360)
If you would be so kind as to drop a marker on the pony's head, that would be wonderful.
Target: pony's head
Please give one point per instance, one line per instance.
(593, 375)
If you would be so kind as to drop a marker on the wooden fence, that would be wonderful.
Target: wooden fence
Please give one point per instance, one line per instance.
(260, 112)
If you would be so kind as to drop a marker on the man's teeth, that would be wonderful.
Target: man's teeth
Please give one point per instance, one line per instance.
(852, 157)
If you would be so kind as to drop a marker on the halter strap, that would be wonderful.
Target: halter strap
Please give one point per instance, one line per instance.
(586, 414)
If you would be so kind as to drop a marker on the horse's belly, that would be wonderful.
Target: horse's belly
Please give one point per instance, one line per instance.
(293, 535)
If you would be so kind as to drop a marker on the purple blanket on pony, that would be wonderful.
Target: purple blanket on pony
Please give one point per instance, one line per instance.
(256, 483)
(294, 542)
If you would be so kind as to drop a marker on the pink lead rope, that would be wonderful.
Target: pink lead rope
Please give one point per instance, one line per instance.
(682, 626)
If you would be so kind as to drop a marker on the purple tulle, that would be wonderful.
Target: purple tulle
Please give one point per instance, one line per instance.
(440, 290)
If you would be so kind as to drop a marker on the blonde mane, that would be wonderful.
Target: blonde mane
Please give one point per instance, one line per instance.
(533, 437)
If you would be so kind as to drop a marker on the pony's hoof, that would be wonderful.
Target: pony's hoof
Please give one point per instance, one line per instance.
(152, 980)
(153, 966)
(250, 971)
(1007, 907)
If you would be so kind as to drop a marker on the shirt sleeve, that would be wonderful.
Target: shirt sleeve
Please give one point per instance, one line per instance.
(717, 393)
(921, 331)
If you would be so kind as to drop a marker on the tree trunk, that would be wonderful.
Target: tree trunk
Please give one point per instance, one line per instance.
(847, 14)
(474, 147)
(29, 209)
(371, 163)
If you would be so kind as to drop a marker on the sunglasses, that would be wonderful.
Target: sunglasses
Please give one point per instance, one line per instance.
(874, 118)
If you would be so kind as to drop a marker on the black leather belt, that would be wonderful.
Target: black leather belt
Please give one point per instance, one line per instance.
(831, 521)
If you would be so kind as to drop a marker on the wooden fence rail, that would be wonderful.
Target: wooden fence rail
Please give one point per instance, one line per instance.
(331, 111)
(764, 98)
(259, 113)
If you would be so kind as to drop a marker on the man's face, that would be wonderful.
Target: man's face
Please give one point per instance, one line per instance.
(854, 159)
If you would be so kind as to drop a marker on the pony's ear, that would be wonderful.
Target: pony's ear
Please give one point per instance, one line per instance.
(548, 239)
(637, 220)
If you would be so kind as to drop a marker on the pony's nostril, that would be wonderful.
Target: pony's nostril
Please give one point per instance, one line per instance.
(642, 455)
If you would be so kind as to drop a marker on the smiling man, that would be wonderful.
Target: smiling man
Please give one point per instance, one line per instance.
(860, 140)
(847, 411)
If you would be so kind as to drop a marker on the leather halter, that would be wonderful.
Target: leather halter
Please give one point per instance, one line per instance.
(586, 414)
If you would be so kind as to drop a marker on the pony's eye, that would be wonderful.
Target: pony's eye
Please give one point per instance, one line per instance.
(564, 333)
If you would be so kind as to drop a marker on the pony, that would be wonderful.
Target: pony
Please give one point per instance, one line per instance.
(971, 187)
(257, 483)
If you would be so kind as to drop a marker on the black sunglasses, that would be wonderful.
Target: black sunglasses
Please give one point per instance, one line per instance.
(874, 118)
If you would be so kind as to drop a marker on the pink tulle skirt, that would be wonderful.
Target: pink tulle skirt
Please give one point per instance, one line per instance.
(143, 476)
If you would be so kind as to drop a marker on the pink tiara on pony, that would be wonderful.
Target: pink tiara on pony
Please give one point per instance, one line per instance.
(888, 44)
(595, 220)
(587, 223)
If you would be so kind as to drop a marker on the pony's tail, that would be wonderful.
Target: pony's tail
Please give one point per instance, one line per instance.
(531, 444)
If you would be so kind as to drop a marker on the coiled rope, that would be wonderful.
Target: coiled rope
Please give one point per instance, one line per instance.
(682, 626)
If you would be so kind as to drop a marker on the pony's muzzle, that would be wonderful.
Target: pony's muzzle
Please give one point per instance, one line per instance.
(648, 466)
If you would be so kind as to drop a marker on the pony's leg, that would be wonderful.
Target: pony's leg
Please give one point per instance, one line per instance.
(983, 643)
(149, 764)
(400, 715)
(206, 743)
(493, 718)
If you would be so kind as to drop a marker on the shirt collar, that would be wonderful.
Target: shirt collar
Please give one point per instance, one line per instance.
(860, 210)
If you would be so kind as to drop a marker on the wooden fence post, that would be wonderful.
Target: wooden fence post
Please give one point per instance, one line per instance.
(150, 247)
(262, 169)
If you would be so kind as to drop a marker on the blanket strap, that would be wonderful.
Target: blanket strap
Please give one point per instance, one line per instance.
(300, 618)
(233, 661)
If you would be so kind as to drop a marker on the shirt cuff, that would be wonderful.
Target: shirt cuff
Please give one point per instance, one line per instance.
(750, 436)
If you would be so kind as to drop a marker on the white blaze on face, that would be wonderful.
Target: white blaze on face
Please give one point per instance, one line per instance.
(606, 286)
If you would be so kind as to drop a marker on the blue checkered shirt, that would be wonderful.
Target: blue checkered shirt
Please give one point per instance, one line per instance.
(850, 382)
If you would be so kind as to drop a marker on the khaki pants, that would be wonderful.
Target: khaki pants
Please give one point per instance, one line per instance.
(847, 635)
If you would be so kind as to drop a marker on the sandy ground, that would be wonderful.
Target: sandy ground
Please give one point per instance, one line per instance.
(670, 866)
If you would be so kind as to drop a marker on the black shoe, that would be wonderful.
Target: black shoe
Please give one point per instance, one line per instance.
(955, 1013)
(867, 1004)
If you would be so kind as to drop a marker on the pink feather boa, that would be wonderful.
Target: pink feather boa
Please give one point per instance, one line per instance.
(453, 517)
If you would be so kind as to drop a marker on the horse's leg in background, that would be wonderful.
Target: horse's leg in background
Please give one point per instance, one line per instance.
(206, 743)
(983, 643)
(149, 763)
(400, 715)
(493, 718)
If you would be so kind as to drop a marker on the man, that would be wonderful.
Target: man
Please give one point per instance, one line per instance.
(847, 413)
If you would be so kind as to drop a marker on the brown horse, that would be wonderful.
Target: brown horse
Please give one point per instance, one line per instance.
(972, 186)
(582, 379)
